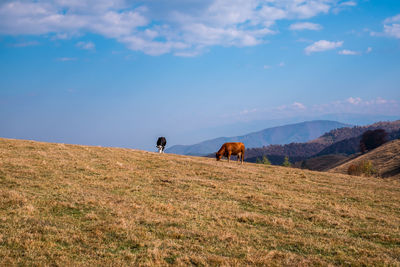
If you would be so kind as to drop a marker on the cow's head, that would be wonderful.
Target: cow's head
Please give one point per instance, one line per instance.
(218, 156)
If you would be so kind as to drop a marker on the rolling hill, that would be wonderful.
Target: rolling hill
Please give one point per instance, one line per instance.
(299, 132)
(386, 160)
(75, 205)
(324, 162)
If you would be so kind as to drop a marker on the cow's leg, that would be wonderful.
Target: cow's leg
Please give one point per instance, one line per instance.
(238, 156)
(229, 155)
(159, 149)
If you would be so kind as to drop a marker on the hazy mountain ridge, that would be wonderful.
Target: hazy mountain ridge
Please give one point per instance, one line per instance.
(292, 133)
(338, 141)
(245, 127)
(340, 134)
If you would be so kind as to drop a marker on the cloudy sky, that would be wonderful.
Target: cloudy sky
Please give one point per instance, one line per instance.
(122, 72)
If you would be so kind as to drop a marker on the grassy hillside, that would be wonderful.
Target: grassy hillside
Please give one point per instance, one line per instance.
(323, 163)
(78, 205)
(386, 160)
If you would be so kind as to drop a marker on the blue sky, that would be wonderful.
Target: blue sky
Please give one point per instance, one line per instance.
(122, 73)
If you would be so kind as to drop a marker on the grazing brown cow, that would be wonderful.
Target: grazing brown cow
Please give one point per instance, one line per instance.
(229, 149)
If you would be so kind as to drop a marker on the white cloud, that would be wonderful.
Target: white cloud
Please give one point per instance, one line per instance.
(354, 104)
(307, 9)
(348, 52)
(354, 100)
(392, 19)
(358, 101)
(390, 28)
(86, 45)
(282, 64)
(157, 27)
(67, 17)
(298, 105)
(246, 111)
(322, 45)
(305, 26)
(369, 50)
(348, 3)
(343, 6)
(358, 105)
(267, 67)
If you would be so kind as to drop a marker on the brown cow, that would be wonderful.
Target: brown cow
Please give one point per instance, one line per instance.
(229, 149)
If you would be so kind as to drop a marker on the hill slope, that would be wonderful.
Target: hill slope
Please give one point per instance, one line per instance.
(386, 159)
(299, 132)
(324, 163)
(78, 205)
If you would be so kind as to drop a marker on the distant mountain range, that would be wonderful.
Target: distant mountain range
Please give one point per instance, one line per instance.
(244, 127)
(298, 133)
(343, 141)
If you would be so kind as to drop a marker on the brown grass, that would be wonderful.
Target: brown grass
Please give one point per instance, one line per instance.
(385, 161)
(78, 205)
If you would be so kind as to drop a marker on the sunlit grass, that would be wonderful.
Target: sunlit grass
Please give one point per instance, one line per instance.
(76, 205)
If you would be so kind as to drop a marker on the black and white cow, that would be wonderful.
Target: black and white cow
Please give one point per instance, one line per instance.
(161, 142)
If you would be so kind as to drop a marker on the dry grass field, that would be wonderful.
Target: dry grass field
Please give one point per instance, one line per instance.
(74, 205)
